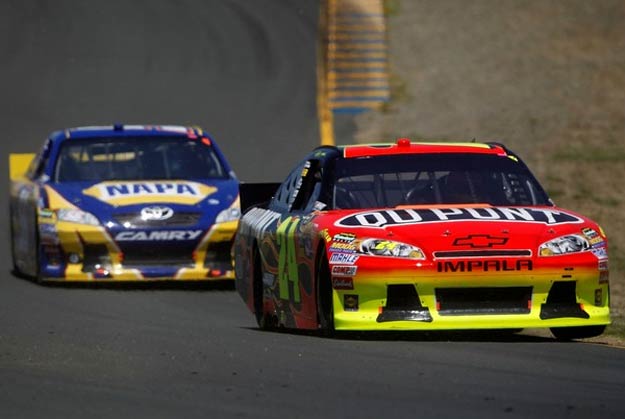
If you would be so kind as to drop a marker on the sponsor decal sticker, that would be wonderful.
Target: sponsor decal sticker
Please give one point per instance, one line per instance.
(603, 265)
(604, 277)
(156, 213)
(383, 218)
(600, 252)
(125, 193)
(319, 206)
(344, 237)
(589, 233)
(593, 237)
(597, 242)
(46, 213)
(326, 236)
(350, 302)
(338, 270)
(342, 247)
(167, 235)
(598, 296)
(343, 283)
(346, 258)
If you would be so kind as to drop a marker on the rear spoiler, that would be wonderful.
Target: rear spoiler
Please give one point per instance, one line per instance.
(254, 194)
(18, 164)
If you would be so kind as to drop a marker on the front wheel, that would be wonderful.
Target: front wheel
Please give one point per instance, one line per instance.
(325, 305)
(577, 332)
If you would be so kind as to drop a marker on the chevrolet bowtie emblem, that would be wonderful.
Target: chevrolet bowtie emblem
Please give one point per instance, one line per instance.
(480, 241)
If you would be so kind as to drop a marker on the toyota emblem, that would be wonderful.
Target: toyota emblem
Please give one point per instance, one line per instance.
(156, 213)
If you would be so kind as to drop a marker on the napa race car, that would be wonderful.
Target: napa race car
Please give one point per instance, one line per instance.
(123, 202)
(420, 236)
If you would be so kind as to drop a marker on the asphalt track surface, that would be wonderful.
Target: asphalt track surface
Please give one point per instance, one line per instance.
(245, 71)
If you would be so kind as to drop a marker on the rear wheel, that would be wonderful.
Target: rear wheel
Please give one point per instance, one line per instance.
(16, 269)
(325, 305)
(262, 319)
(577, 332)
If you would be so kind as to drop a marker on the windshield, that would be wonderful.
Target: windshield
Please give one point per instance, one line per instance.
(434, 179)
(99, 159)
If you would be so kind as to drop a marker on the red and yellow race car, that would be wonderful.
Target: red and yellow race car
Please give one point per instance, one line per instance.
(420, 236)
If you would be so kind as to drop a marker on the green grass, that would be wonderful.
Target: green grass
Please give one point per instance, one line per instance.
(391, 7)
(399, 93)
(588, 154)
(617, 328)
(608, 201)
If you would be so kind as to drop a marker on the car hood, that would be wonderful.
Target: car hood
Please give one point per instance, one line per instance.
(108, 199)
(461, 228)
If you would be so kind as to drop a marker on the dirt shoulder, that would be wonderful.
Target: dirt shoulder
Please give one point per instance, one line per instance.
(547, 78)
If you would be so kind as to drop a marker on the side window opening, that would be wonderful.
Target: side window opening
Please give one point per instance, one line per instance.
(307, 187)
(40, 162)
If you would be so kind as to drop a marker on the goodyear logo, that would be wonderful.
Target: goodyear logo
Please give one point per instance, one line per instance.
(127, 193)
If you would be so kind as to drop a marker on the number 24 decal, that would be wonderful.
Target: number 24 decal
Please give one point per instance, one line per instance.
(287, 261)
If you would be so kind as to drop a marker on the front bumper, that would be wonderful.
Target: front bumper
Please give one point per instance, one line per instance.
(553, 295)
(75, 252)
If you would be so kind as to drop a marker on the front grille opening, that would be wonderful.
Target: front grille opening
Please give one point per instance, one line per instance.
(402, 297)
(486, 300)
(481, 253)
(218, 258)
(158, 256)
(179, 219)
(95, 256)
(562, 302)
(53, 254)
(403, 303)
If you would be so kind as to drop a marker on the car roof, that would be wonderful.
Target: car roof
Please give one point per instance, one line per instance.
(119, 130)
(406, 146)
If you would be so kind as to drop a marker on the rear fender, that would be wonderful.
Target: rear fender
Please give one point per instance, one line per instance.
(19, 163)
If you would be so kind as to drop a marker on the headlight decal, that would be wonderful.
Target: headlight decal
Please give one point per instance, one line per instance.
(229, 214)
(232, 213)
(563, 245)
(73, 215)
(390, 248)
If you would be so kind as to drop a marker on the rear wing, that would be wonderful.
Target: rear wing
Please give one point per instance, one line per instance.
(19, 163)
(252, 194)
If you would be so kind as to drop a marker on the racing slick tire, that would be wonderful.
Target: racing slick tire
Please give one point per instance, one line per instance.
(37, 259)
(325, 305)
(264, 321)
(577, 332)
(16, 269)
(38, 276)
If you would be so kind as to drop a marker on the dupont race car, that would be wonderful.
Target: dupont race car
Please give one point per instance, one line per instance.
(129, 203)
(420, 236)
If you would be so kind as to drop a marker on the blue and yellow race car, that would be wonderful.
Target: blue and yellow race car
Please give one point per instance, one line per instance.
(124, 202)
